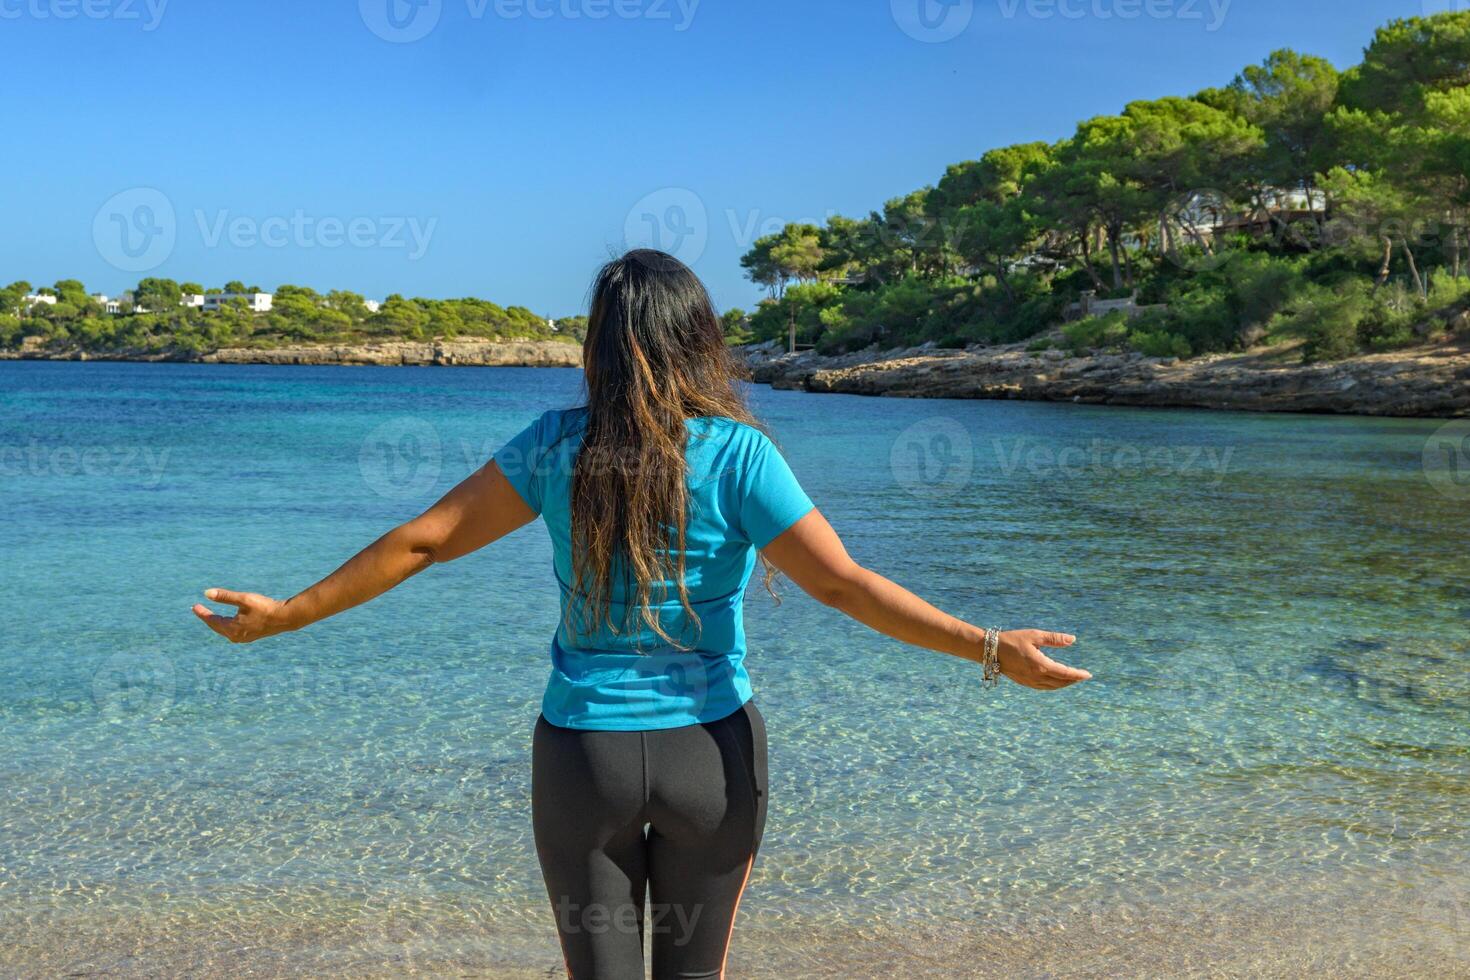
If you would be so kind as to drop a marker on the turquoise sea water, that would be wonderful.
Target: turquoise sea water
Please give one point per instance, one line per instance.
(1272, 763)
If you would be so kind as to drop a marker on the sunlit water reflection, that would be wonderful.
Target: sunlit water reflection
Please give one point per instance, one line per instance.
(1269, 773)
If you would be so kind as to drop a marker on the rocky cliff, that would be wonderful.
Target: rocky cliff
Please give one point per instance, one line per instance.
(455, 353)
(1429, 381)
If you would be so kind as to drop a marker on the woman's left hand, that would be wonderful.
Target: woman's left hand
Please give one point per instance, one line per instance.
(258, 617)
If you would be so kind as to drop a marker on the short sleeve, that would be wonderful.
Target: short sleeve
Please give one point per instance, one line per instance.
(519, 460)
(771, 499)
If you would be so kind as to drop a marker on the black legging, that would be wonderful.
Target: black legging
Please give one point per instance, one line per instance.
(678, 812)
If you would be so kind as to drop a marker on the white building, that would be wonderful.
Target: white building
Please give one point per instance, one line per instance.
(34, 298)
(372, 305)
(254, 302)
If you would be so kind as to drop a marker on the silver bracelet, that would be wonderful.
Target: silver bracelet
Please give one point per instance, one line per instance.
(991, 658)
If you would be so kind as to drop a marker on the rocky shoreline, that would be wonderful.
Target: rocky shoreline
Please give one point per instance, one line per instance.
(1431, 381)
(439, 353)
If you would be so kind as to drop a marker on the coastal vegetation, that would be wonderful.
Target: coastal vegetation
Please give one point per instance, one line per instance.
(153, 319)
(1296, 202)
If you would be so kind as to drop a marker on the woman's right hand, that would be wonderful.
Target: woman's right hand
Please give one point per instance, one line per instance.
(258, 617)
(1022, 661)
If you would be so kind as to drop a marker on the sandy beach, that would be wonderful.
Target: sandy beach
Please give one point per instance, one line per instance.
(1327, 928)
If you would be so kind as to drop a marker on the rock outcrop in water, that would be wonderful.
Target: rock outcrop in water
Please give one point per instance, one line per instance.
(1429, 381)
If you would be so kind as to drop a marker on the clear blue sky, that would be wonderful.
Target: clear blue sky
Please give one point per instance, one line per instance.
(518, 137)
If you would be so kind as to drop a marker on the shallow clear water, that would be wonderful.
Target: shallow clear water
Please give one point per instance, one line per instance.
(1275, 748)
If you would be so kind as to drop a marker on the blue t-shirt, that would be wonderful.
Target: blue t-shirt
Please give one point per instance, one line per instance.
(742, 495)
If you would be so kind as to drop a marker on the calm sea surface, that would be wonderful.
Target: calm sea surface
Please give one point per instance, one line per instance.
(1270, 773)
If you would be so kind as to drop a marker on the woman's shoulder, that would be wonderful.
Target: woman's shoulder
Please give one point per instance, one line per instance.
(560, 422)
(734, 442)
(556, 431)
(731, 430)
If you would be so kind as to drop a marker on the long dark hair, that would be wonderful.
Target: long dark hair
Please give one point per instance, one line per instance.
(654, 357)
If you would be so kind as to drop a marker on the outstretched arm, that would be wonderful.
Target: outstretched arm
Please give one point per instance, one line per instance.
(812, 555)
(481, 509)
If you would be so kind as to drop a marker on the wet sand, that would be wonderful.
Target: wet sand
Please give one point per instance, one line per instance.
(1326, 929)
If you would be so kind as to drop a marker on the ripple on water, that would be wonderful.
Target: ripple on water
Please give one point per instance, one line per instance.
(1269, 774)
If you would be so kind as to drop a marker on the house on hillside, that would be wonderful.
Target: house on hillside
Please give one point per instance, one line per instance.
(254, 302)
(1280, 209)
(1263, 222)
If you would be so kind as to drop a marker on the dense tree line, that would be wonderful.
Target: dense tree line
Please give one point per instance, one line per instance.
(1296, 201)
(154, 321)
